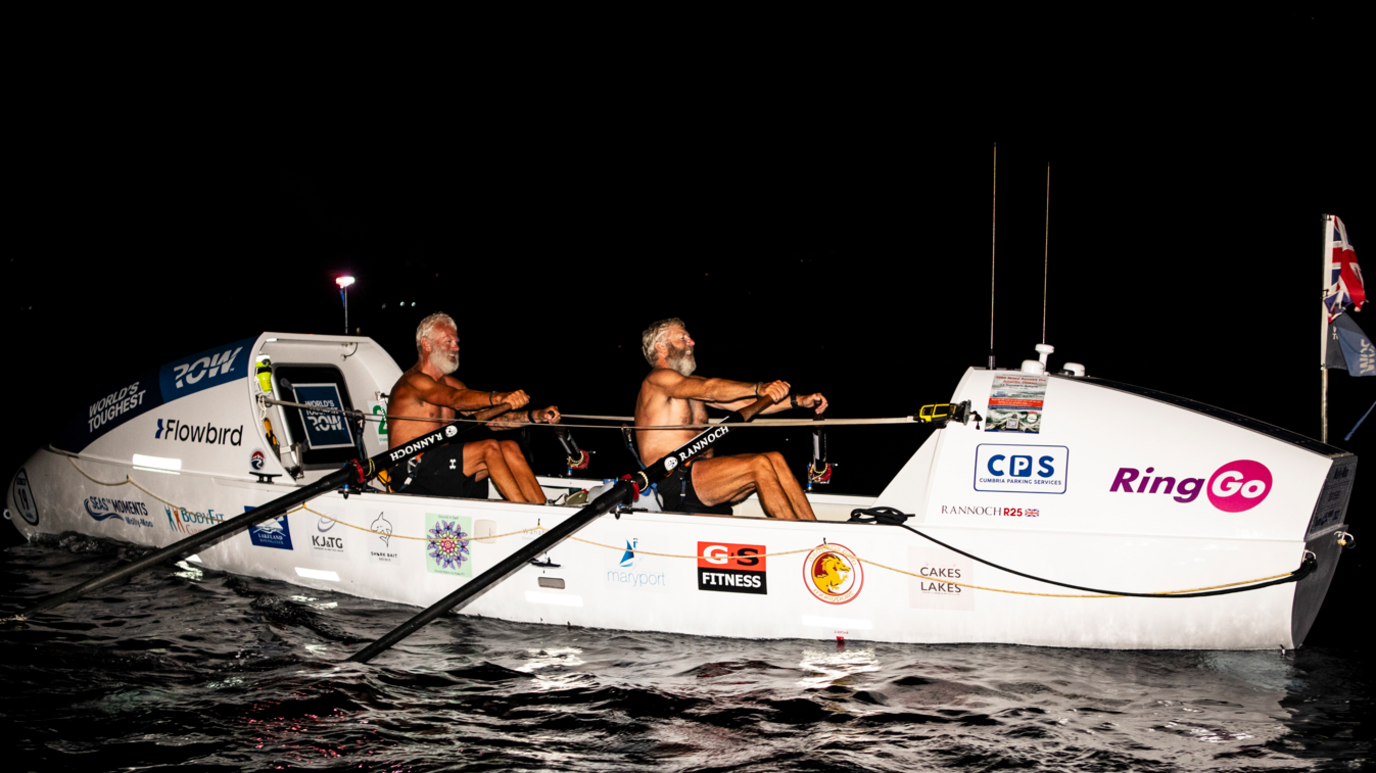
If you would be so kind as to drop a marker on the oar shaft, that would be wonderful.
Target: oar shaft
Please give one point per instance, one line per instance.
(252, 518)
(620, 493)
(191, 544)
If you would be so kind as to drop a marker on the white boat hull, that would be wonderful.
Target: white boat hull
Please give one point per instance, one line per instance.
(673, 572)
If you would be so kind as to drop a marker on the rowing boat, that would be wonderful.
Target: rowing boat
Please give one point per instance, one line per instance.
(1048, 509)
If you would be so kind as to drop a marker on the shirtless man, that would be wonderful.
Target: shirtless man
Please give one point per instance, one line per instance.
(429, 397)
(672, 395)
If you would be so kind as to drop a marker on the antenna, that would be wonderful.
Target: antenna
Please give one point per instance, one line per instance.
(1046, 254)
(992, 243)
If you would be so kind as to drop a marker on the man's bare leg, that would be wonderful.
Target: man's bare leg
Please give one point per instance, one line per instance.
(484, 458)
(731, 478)
(525, 478)
(802, 509)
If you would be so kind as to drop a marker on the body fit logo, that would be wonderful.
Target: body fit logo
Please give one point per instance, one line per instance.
(1235, 487)
(190, 521)
(172, 429)
(1022, 469)
(732, 568)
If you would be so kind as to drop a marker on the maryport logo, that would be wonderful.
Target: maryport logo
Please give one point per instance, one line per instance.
(631, 571)
(1022, 469)
(1236, 487)
(832, 574)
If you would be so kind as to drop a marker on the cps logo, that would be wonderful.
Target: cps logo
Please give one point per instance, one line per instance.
(1239, 486)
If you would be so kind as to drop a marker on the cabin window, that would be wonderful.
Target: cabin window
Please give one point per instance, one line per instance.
(327, 439)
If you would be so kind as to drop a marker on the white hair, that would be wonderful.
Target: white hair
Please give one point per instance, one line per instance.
(655, 335)
(428, 324)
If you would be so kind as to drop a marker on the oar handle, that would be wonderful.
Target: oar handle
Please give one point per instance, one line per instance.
(752, 410)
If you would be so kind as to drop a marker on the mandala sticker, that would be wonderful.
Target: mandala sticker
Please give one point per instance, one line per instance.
(447, 549)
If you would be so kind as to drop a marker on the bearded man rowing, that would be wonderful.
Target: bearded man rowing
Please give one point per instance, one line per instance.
(428, 397)
(671, 395)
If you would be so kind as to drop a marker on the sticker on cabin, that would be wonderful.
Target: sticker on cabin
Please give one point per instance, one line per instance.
(1333, 498)
(731, 568)
(383, 548)
(379, 422)
(272, 533)
(943, 581)
(633, 570)
(832, 574)
(447, 549)
(1022, 469)
(1015, 404)
(22, 494)
(206, 369)
(324, 429)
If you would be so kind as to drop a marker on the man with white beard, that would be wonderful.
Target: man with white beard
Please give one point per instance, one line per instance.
(672, 396)
(427, 397)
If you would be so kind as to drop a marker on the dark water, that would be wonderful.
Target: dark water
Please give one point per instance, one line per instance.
(184, 669)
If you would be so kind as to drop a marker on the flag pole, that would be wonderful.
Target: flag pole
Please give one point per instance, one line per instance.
(1323, 337)
(993, 243)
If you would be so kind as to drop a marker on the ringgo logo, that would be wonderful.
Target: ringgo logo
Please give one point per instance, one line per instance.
(1235, 487)
(1239, 486)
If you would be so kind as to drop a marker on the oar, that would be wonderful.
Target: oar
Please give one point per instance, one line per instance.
(354, 473)
(621, 493)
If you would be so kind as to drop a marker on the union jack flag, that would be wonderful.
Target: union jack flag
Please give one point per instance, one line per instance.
(1344, 275)
(1033, 512)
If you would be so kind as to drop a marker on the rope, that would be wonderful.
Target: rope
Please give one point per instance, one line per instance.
(1094, 594)
(762, 422)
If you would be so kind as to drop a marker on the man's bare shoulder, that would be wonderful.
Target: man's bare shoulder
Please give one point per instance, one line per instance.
(664, 378)
(414, 385)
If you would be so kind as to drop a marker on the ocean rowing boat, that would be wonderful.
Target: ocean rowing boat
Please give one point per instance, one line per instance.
(1204, 514)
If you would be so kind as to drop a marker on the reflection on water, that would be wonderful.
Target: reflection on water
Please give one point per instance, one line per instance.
(195, 668)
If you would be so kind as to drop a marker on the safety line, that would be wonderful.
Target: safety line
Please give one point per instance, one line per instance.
(842, 551)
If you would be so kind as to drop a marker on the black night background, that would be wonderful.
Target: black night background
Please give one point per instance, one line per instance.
(838, 245)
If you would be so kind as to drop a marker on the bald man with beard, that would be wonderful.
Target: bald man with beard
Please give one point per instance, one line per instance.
(427, 396)
(671, 395)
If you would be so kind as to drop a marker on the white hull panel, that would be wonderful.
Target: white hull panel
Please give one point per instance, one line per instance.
(661, 593)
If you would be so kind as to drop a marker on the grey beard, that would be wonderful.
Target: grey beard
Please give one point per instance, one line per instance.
(682, 361)
(440, 361)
